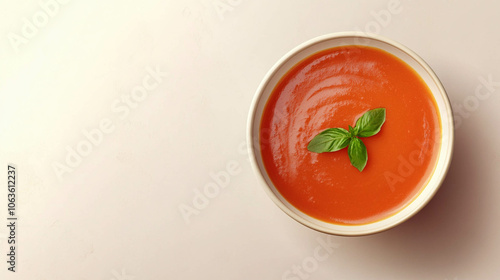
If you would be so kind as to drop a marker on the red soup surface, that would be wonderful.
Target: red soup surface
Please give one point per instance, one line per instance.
(333, 88)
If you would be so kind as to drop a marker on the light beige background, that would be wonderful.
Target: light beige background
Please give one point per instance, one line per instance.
(114, 213)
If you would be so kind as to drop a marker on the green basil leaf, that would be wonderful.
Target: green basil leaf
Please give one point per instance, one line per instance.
(352, 131)
(370, 123)
(334, 139)
(357, 154)
(329, 140)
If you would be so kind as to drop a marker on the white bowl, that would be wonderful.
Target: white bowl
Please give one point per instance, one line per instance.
(335, 40)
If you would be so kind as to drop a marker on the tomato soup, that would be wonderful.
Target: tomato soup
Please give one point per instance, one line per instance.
(333, 88)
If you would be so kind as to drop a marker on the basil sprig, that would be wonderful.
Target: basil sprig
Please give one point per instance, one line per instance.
(335, 139)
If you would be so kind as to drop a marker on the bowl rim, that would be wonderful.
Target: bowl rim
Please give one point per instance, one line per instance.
(259, 94)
